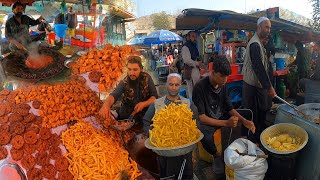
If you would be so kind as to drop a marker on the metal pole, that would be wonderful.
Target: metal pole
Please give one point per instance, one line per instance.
(84, 27)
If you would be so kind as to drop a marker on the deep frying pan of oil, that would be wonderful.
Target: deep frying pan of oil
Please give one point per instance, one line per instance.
(15, 65)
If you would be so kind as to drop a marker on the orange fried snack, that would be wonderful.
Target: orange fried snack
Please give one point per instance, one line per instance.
(92, 155)
(110, 62)
(62, 102)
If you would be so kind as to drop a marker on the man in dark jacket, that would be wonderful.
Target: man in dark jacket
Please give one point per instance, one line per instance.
(17, 27)
(71, 18)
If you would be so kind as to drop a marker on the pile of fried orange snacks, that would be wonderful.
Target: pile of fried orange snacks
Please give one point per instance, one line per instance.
(62, 102)
(110, 62)
(173, 126)
(94, 156)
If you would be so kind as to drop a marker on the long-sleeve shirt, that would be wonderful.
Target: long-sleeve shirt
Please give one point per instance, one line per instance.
(186, 56)
(20, 32)
(258, 67)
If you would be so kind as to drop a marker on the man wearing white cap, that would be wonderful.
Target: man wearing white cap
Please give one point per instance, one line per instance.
(257, 87)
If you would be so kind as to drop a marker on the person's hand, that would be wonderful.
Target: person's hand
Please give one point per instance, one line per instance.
(249, 125)
(105, 111)
(271, 92)
(232, 121)
(139, 107)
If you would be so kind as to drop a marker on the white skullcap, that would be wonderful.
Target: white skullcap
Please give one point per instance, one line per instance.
(174, 75)
(176, 51)
(261, 19)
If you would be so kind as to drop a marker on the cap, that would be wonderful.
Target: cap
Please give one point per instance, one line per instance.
(261, 19)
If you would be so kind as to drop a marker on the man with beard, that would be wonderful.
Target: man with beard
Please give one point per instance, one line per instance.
(170, 166)
(138, 92)
(17, 27)
(257, 90)
(190, 57)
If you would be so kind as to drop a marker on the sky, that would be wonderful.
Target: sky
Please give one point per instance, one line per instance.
(147, 7)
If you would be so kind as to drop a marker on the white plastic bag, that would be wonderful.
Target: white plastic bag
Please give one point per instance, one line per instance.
(240, 167)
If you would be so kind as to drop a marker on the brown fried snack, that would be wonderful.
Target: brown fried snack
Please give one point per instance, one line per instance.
(29, 118)
(17, 142)
(15, 117)
(42, 145)
(5, 92)
(49, 171)
(16, 154)
(5, 138)
(2, 110)
(42, 158)
(33, 127)
(65, 175)
(55, 152)
(36, 104)
(30, 137)
(34, 174)
(16, 128)
(4, 119)
(45, 133)
(24, 106)
(38, 121)
(29, 148)
(8, 109)
(21, 111)
(28, 162)
(3, 152)
(94, 76)
(55, 140)
(62, 163)
(4, 128)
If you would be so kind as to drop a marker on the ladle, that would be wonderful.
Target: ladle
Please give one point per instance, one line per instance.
(293, 107)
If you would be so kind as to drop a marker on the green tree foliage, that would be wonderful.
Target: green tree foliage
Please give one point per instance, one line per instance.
(161, 21)
(315, 15)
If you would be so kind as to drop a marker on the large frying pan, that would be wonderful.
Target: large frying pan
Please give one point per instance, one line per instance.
(14, 64)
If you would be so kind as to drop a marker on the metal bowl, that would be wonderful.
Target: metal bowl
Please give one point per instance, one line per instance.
(173, 151)
(284, 128)
(123, 125)
(312, 110)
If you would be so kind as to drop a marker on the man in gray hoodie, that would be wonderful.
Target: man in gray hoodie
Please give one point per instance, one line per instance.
(71, 19)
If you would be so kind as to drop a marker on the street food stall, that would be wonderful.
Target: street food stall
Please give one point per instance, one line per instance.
(49, 117)
(232, 31)
(300, 165)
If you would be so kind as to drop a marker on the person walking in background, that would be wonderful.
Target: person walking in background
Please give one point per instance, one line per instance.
(71, 19)
(190, 56)
(258, 91)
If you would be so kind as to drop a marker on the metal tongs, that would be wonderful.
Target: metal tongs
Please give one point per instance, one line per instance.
(293, 107)
(246, 154)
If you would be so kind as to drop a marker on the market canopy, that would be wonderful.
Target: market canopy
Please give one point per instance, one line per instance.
(205, 20)
(10, 2)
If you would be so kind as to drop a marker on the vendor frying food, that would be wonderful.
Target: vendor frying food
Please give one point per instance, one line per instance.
(138, 92)
(17, 27)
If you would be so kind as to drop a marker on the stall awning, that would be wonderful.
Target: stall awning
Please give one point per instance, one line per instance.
(10, 2)
(206, 20)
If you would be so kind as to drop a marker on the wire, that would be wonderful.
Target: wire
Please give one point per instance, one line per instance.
(231, 129)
